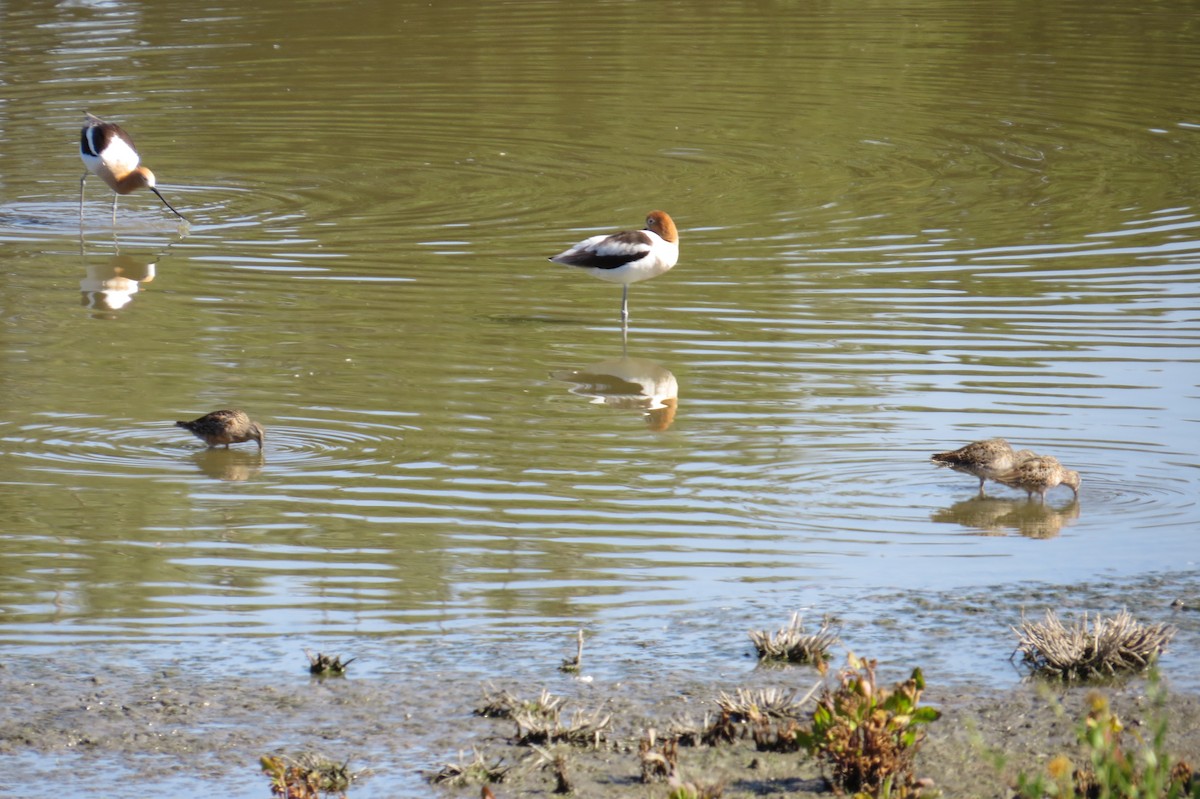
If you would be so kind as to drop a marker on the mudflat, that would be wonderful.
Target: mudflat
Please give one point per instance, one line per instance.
(79, 720)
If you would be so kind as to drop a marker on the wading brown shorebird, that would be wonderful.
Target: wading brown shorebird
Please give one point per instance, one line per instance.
(225, 428)
(984, 459)
(108, 153)
(1039, 475)
(627, 257)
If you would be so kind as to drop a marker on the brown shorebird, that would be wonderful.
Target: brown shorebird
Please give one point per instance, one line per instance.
(225, 427)
(1039, 475)
(984, 459)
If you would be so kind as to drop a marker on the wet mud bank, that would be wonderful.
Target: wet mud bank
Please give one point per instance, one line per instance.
(98, 719)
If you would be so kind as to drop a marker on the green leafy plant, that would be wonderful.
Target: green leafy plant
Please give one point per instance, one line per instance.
(869, 735)
(1112, 770)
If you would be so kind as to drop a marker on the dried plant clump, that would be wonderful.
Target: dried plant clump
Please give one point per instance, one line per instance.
(327, 665)
(779, 736)
(774, 703)
(687, 731)
(309, 776)
(540, 720)
(746, 711)
(658, 765)
(870, 735)
(792, 645)
(555, 761)
(501, 704)
(1112, 646)
(476, 770)
(695, 789)
(584, 729)
(572, 665)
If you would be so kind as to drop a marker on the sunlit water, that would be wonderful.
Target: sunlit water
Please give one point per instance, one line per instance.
(901, 230)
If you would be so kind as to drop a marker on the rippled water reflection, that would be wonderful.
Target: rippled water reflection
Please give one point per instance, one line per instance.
(895, 238)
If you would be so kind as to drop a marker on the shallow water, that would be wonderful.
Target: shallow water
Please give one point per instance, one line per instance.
(902, 229)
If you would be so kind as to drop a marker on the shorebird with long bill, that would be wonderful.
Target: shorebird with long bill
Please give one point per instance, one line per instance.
(109, 153)
(225, 427)
(627, 257)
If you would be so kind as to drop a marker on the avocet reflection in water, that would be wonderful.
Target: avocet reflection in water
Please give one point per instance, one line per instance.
(627, 383)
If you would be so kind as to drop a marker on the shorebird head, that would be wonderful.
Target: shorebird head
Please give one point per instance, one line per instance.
(661, 223)
(1072, 480)
(257, 433)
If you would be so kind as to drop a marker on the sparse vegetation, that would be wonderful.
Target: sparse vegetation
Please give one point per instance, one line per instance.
(502, 704)
(309, 776)
(583, 729)
(327, 665)
(474, 771)
(754, 712)
(1112, 770)
(556, 762)
(695, 789)
(540, 720)
(658, 765)
(869, 735)
(792, 644)
(572, 665)
(1112, 646)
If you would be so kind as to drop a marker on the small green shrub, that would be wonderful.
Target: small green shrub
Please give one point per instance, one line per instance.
(869, 735)
(1112, 770)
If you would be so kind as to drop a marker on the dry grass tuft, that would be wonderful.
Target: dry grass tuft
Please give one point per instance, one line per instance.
(765, 703)
(1112, 646)
(476, 770)
(540, 720)
(307, 776)
(695, 790)
(584, 729)
(658, 765)
(327, 665)
(501, 704)
(747, 711)
(792, 645)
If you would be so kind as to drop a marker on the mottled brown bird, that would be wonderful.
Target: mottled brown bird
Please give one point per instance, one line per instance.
(984, 459)
(225, 428)
(1039, 475)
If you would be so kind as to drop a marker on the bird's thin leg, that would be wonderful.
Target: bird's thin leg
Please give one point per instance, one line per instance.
(81, 182)
(624, 307)
(982, 493)
(115, 195)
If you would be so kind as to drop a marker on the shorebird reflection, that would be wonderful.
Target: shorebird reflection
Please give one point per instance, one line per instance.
(995, 516)
(229, 465)
(630, 384)
(110, 286)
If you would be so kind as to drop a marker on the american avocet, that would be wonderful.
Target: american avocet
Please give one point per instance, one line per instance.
(629, 256)
(984, 459)
(1040, 474)
(225, 427)
(109, 154)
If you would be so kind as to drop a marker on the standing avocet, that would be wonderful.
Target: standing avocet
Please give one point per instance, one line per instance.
(109, 154)
(627, 257)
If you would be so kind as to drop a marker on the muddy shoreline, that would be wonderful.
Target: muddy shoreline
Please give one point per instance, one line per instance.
(97, 720)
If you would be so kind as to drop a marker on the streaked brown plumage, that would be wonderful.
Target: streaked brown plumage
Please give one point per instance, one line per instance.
(984, 459)
(1039, 475)
(225, 427)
